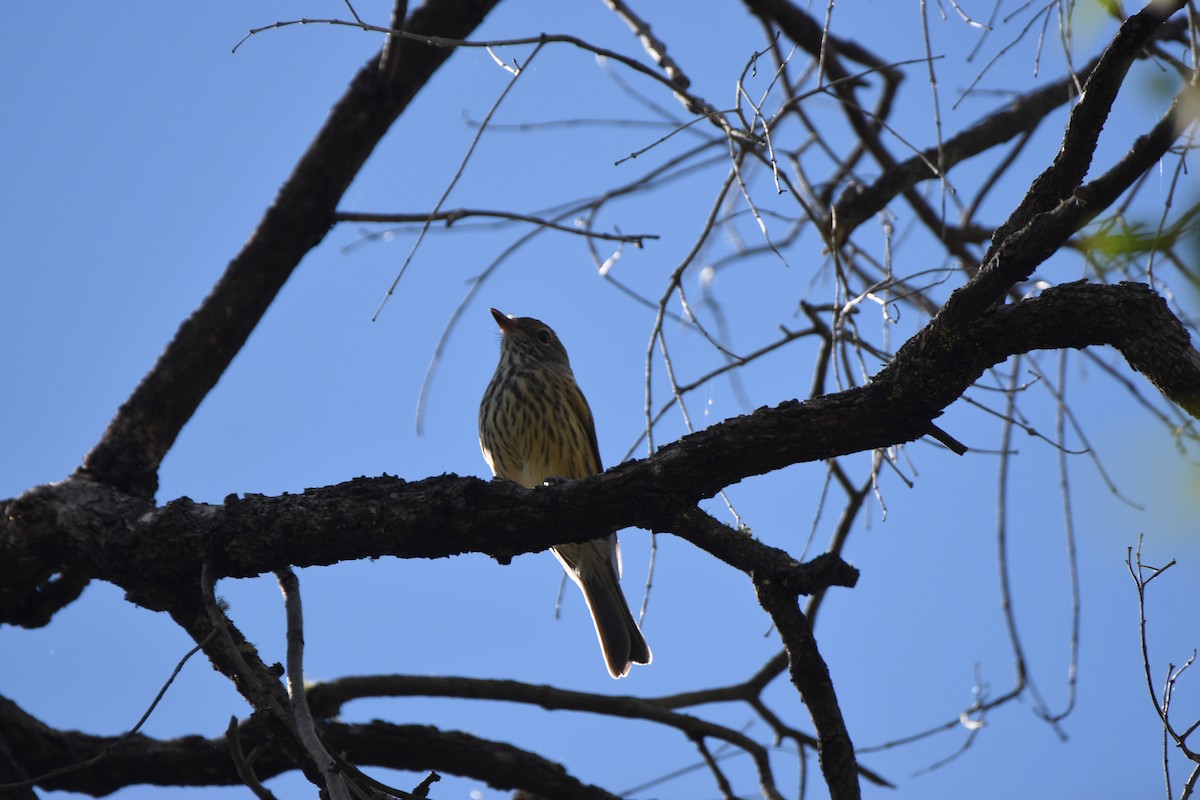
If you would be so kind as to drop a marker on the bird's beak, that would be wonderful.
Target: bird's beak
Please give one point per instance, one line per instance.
(506, 323)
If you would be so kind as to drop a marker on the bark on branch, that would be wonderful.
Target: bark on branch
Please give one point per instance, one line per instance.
(101, 523)
(82, 526)
(145, 427)
(198, 761)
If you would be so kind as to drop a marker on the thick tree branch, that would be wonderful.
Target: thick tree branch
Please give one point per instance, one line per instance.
(1129, 317)
(1038, 227)
(147, 423)
(1088, 116)
(153, 552)
(809, 674)
(102, 522)
(1015, 256)
(811, 678)
(197, 761)
(94, 529)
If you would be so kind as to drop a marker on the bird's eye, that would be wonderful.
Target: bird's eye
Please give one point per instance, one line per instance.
(543, 336)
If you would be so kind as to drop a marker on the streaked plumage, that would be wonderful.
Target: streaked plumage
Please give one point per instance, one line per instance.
(534, 425)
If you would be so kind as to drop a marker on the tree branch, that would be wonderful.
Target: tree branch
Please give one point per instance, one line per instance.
(145, 427)
(811, 678)
(1088, 116)
(859, 203)
(809, 674)
(197, 761)
(83, 526)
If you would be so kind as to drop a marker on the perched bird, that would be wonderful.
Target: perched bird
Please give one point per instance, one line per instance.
(534, 426)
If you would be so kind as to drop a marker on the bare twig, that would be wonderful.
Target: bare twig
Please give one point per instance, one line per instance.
(516, 74)
(453, 216)
(335, 781)
(124, 738)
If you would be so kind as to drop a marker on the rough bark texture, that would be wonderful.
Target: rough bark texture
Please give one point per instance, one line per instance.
(145, 427)
(102, 523)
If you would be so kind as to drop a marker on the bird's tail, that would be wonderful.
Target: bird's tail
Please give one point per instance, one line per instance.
(592, 567)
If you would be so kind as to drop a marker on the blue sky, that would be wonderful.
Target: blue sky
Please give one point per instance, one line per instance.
(139, 154)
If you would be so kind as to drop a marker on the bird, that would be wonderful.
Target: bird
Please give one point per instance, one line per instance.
(535, 427)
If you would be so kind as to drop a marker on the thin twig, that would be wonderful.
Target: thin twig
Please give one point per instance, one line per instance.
(125, 737)
(306, 727)
(516, 74)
